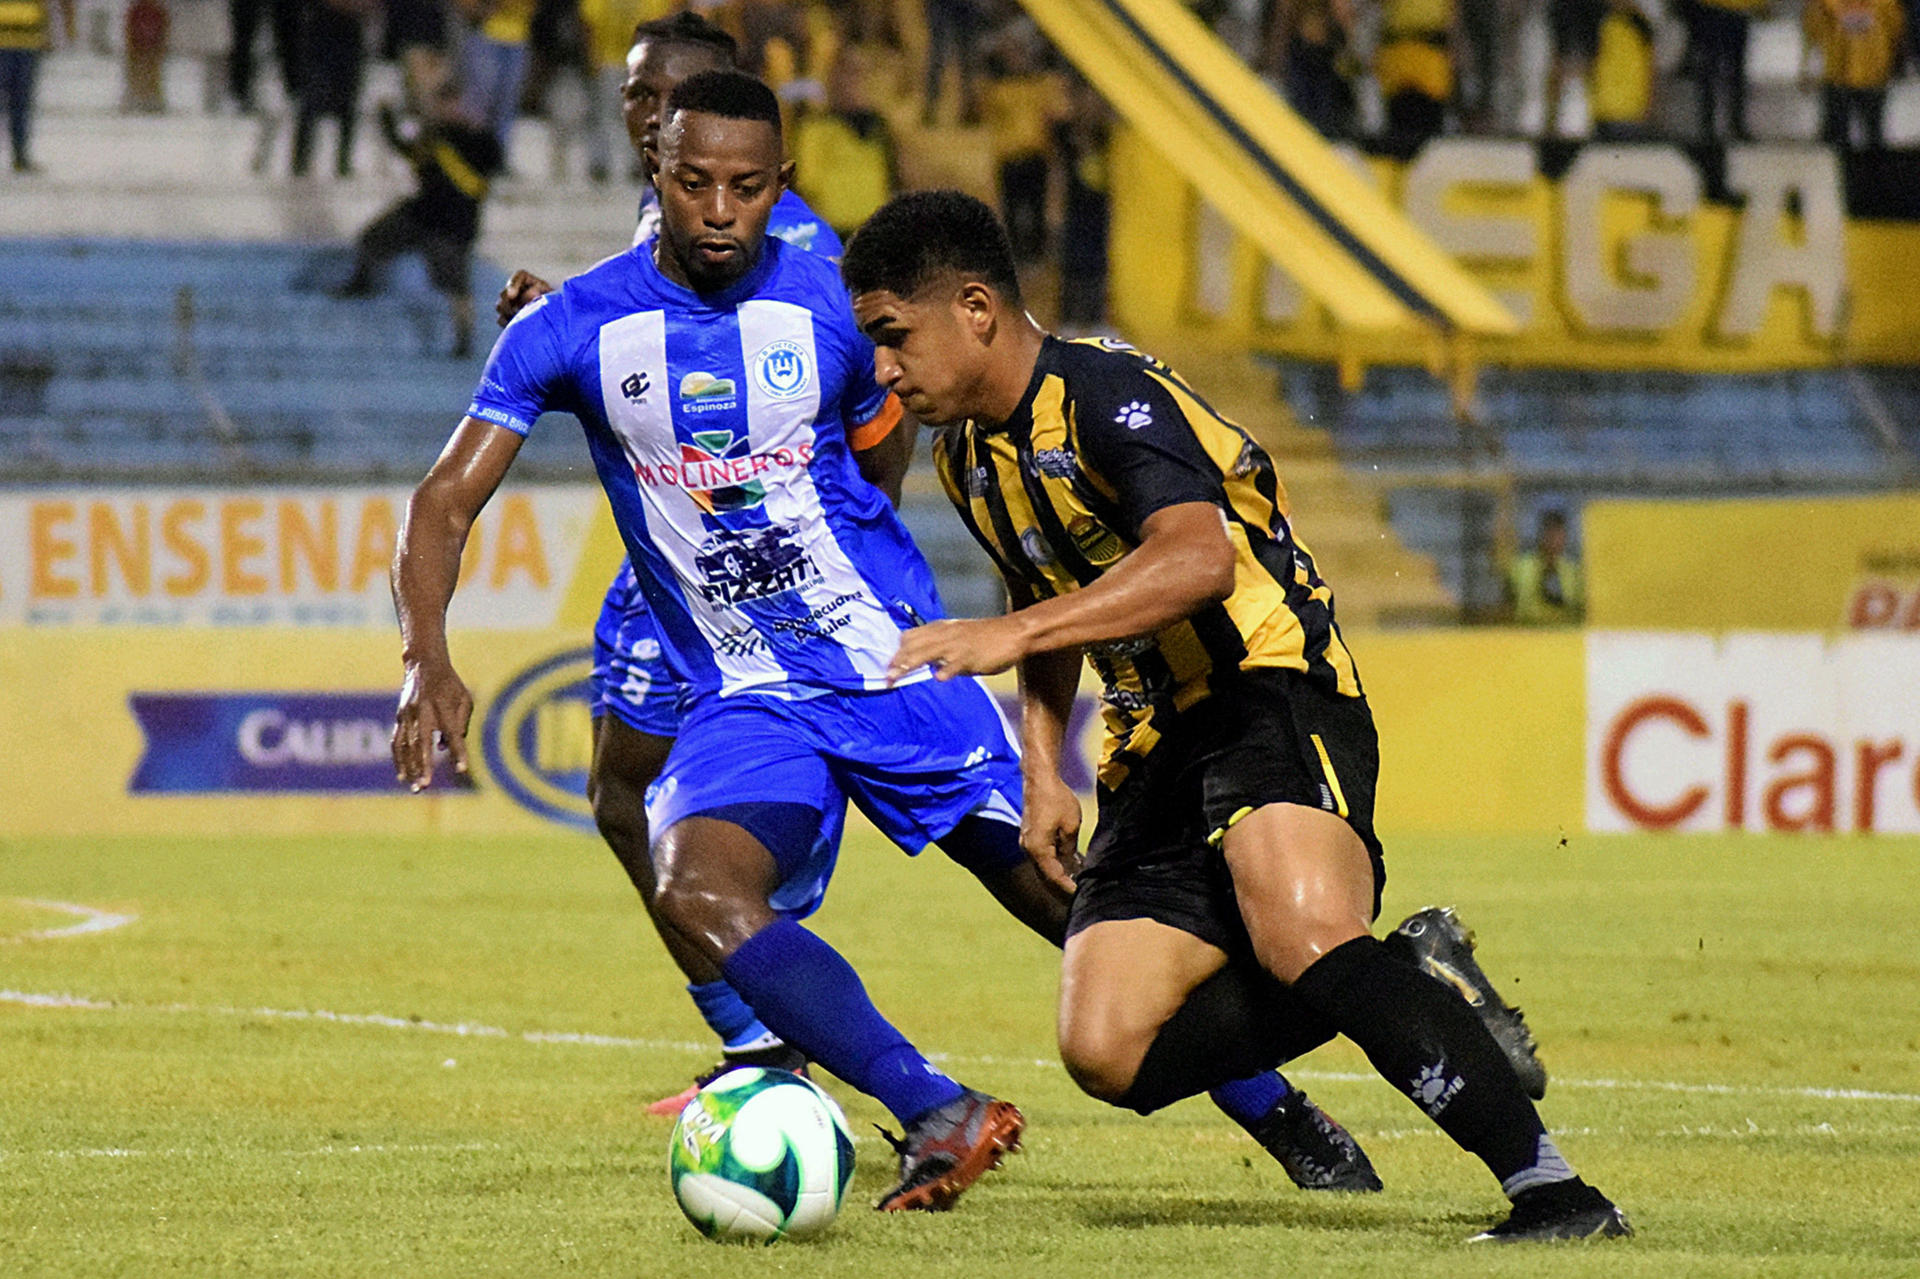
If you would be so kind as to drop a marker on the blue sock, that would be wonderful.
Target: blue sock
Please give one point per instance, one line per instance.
(1248, 1102)
(729, 1017)
(813, 999)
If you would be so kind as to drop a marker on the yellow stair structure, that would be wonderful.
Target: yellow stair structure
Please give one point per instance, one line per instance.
(1376, 580)
(1221, 129)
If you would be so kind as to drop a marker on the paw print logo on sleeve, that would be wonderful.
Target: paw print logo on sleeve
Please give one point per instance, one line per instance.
(1134, 416)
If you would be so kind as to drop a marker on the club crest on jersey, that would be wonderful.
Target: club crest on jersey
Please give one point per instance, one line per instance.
(780, 369)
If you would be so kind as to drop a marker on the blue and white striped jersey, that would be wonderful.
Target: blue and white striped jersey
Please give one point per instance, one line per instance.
(718, 424)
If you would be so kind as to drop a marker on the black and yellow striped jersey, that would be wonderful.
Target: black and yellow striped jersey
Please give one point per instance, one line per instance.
(1106, 436)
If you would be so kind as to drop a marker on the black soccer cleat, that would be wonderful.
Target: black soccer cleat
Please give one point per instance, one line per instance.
(1562, 1211)
(1436, 942)
(1316, 1152)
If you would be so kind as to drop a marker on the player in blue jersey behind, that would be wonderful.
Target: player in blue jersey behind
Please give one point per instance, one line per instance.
(780, 582)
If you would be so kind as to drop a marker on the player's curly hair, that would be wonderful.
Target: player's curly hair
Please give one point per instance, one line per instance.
(731, 95)
(688, 27)
(915, 238)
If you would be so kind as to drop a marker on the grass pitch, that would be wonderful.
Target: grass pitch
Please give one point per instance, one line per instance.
(312, 1056)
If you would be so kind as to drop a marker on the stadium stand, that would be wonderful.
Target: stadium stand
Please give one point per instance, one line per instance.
(1457, 491)
(150, 361)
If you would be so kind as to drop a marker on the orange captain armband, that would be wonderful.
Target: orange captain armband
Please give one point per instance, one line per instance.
(866, 434)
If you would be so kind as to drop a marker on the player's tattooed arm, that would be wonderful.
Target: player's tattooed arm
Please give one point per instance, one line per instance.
(1184, 562)
(434, 703)
(1050, 811)
(522, 289)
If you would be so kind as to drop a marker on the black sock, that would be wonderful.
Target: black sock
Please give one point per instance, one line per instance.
(1428, 1043)
(1236, 1023)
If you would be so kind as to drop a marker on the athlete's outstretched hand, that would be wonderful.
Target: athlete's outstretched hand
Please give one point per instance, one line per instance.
(522, 288)
(1050, 828)
(434, 702)
(983, 646)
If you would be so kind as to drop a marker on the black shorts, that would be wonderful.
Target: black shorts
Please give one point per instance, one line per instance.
(1266, 737)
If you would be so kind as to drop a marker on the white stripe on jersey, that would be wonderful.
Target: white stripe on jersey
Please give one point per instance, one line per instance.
(768, 329)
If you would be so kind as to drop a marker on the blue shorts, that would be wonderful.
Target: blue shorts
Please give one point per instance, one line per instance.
(630, 676)
(916, 759)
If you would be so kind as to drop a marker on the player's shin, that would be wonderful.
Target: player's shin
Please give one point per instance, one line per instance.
(811, 997)
(1236, 1024)
(1432, 1047)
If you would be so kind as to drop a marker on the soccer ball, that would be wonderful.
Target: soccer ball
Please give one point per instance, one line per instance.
(760, 1154)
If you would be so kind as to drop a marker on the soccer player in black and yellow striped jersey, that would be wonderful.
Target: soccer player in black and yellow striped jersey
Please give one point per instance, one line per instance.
(1133, 523)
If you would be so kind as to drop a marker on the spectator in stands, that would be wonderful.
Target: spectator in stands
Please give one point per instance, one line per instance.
(1020, 103)
(1082, 139)
(454, 156)
(953, 28)
(1414, 68)
(1308, 41)
(558, 80)
(26, 31)
(1544, 586)
(845, 165)
(1576, 43)
(243, 18)
(609, 29)
(416, 38)
(1860, 43)
(774, 41)
(1621, 96)
(493, 61)
(333, 38)
(1717, 55)
(1480, 55)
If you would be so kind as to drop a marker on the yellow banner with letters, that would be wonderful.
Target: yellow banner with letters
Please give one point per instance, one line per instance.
(539, 556)
(1633, 257)
(1773, 564)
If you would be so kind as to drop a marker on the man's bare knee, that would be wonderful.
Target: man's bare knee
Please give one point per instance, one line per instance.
(711, 882)
(1102, 1064)
(1303, 945)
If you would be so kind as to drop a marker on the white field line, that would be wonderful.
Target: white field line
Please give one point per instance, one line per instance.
(588, 1039)
(92, 920)
(1727, 1132)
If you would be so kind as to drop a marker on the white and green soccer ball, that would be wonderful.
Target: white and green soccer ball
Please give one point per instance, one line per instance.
(760, 1154)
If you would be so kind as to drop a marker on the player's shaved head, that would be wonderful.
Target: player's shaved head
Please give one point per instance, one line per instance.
(731, 95)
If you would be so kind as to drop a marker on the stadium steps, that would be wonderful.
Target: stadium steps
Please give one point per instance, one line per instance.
(1377, 579)
(104, 374)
